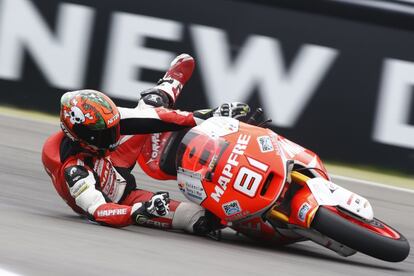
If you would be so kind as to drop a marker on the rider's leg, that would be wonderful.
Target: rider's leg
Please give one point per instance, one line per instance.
(184, 216)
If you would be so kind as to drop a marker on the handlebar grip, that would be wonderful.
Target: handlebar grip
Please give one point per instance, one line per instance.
(256, 116)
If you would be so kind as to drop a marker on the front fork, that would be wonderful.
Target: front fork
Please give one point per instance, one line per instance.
(296, 211)
(298, 208)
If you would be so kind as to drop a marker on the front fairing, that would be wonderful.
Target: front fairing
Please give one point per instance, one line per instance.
(233, 169)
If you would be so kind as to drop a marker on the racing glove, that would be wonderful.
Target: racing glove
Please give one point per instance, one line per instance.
(157, 206)
(235, 110)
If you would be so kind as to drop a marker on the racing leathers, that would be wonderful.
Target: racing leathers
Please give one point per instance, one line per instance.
(103, 187)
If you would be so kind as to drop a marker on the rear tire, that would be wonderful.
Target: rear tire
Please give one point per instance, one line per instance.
(359, 238)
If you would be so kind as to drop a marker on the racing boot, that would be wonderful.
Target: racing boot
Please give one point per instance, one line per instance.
(176, 77)
(208, 225)
(195, 219)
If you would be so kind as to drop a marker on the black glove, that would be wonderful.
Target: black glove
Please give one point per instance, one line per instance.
(157, 206)
(234, 110)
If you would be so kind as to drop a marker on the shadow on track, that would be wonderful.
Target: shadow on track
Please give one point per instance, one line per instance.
(240, 241)
(303, 250)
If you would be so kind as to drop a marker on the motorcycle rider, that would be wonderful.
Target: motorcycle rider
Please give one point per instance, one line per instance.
(90, 160)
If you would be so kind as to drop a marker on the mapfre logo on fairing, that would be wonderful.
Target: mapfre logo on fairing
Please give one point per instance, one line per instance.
(232, 161)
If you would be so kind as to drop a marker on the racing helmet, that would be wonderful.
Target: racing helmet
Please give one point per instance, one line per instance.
(90, 118)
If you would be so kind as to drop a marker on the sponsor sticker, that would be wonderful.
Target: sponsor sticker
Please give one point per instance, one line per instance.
(219, 126)
(181, 186)
(290, 148)
(195, 190)
(78, 189)
(273, 137)
(191, 186)
(238, 216)
(113, 119)
(349, 201)
(303, 211)
(155, 146)
(231, 208)
(265, 143)
(113, 212)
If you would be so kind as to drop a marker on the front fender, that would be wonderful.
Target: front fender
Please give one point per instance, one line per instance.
(317, 192)
(328, 193)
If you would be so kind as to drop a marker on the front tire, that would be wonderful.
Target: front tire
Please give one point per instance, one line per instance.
(361, 236)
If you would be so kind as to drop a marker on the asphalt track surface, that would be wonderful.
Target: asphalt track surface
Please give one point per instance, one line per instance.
(40, 235)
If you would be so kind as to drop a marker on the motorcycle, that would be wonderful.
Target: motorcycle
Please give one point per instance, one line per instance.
(267, 187)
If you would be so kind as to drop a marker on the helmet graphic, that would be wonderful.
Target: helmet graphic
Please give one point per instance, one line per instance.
(91, 118)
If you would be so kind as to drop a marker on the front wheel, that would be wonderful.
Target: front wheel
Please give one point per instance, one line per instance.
(373, 238)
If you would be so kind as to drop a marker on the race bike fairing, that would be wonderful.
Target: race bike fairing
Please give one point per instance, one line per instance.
(199, 153)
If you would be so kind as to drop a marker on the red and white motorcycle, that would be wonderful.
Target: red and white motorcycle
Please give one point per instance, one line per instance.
(269, 188)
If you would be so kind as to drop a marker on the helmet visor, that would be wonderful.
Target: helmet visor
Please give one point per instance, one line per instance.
(101, 139)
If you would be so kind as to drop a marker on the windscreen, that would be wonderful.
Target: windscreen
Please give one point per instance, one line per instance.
(199, 153)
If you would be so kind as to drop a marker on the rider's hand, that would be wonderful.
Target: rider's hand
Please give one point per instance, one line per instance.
(157, 206)
(234, 110)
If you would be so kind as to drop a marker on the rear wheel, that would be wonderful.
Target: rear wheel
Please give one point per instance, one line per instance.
(373, 238)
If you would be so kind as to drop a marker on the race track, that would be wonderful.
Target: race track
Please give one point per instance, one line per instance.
(40, 235)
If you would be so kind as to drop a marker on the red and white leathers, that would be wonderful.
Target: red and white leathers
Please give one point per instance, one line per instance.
(103, 188)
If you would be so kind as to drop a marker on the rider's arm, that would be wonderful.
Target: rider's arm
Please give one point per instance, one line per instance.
(82, 187)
